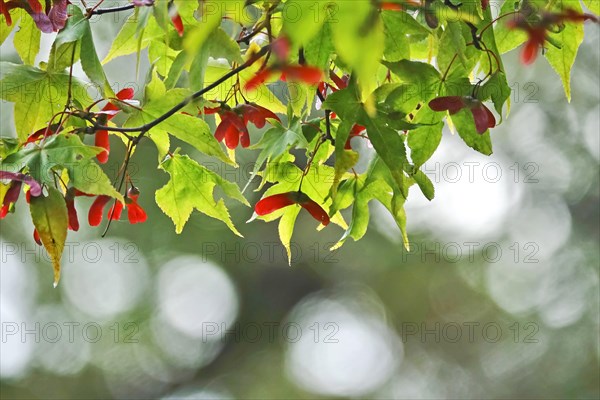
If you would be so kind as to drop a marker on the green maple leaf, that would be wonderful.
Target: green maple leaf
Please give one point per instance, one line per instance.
(382, 131)
(191, 187)
(375, 184)
(38, 95)
(277, 141)
(63, 151)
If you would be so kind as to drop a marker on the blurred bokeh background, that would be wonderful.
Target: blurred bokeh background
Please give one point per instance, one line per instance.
(498, 298)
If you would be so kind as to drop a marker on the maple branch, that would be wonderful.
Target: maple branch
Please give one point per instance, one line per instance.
(146, 127)
(101, 11)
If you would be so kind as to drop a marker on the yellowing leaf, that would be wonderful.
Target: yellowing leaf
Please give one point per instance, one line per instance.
(49, 216)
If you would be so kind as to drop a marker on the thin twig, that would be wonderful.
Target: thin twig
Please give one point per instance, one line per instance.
(143, 129)
(100, 11)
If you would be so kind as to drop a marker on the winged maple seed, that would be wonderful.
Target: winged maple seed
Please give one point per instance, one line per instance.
(286, 72)
(51, 21)
(276, 202)
(14, 190)
(484, 119)
(538, 29)
(135, 213)
(234, 122)
(175, 18)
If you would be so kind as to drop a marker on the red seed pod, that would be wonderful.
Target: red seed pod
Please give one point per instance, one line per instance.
(97, 210)
(258, 79)
(36, 237)
(35, 5)
(115, 211)
(177, 23)
(256, 114)
(301, 73)
(135, 213)
(530, 51)
(356, 131)
(39, 134)
(484, 119)
(273, 203)
(10, 197)
(316, 211)
(452, 104)
(123, 94)
(276, 202)
(72, 213)
(281, 48)
(102, 140)
(339, 82)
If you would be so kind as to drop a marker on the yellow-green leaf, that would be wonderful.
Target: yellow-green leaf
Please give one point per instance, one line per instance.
(27, 40)
(562, 60)
(191, 187)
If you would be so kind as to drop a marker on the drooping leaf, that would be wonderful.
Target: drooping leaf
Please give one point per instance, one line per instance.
(570, 38)
(49, 216)
(424, 140)
(465, 126)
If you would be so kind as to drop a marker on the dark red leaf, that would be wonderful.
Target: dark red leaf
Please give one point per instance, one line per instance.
(58, 14)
